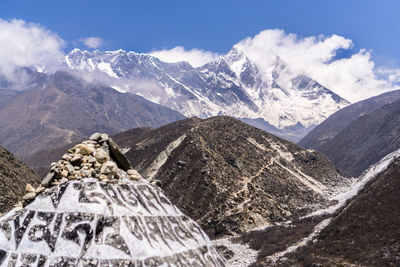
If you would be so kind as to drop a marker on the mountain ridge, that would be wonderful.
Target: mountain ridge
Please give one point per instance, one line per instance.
(364, 232)
(233, 174)
(230, 85)
(360, 134)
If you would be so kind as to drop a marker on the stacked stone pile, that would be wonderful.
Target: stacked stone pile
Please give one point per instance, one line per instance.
(99, 157)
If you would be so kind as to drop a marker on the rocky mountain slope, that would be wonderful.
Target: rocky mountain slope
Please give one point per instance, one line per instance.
(365, 232)
(93, 210)
(14, 175)
(227, 175)
(360, 134)
(230, 85)
(69, 109)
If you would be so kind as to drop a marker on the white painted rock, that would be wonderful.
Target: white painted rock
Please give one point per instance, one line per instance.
(88, 221)
(107, 219)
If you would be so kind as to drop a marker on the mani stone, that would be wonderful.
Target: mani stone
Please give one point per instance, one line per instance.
(102, 222)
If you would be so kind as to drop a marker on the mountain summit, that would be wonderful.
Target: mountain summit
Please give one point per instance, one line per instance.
(231, 85)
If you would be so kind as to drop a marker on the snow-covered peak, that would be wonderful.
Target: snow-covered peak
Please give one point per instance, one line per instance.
(220, 65)
(230, 85)
(235, 54)
(237, 61)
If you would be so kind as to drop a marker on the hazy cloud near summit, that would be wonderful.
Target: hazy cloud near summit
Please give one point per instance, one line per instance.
(354, 78)
(28, 44)
(92, 42)
(196, 57)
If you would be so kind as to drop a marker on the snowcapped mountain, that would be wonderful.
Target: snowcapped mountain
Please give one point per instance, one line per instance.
(231, 85)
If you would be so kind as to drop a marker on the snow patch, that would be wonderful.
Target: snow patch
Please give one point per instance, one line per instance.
(152, 170)
(255, 143)
(243, 254)
(343, 195)
(106, 68)
(317, 229)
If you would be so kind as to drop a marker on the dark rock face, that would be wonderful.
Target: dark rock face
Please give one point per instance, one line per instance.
(111, 218)
(68, 110)
(227, 175)
(14, 175)
(359, 135)
(366, 232)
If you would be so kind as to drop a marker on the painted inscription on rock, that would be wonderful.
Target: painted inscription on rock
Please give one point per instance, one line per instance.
(91, 223)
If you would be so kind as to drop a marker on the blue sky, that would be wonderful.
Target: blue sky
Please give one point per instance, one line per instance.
(147, 25)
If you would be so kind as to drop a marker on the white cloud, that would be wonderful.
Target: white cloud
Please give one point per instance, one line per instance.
(92, 42)
(28, 44)
(354, 78)
(196, 57)
(392, 75)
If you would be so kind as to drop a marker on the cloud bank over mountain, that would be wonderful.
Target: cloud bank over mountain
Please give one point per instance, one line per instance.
(92, 42)
(354, 77)
(196, 57)
(28, 44)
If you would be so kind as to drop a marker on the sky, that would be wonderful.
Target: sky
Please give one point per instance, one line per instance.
(328, 36)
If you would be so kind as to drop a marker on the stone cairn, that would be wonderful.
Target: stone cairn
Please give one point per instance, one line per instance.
(99, 157)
